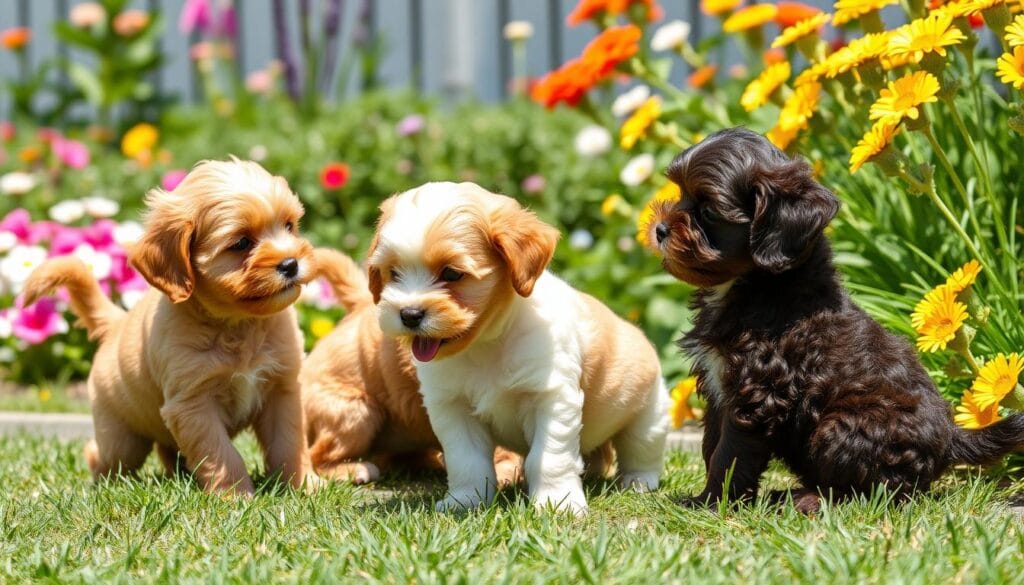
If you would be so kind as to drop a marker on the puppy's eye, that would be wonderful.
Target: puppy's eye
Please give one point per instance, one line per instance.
(708, 215)
(449, 274)
(243, 244)
(290, 226)
(394, 275)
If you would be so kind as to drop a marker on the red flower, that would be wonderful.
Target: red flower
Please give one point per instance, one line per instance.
(334, 175)
(791, 13)
(570, 82)
(591, 9)
(613, 46)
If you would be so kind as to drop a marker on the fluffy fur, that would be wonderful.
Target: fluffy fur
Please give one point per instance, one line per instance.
(214, 347)
(790, 366)
(361, 396)
(507, 353)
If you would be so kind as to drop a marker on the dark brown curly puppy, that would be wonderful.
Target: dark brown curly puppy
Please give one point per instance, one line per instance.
(789, 365)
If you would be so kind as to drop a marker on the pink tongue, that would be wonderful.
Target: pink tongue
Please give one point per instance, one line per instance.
(425, 348)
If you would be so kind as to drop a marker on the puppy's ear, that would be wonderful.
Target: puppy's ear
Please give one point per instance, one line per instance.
(791, 210)
(163, 254)
(373, 274)
(524, 242)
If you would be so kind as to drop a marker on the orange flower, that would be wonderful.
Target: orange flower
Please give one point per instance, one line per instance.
(791, 13)
(16, 38)
(716, 7)
(750, 17)
(130, 22)
(592, 9)
(773, 56)
(569, 83)
(702, 76)
(613, 46)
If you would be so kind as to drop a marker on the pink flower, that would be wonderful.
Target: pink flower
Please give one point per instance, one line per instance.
(100, 235)
(171, 179)
(411, 124)
(196, 14)
(228, 25)
(534, 184)
(47, 135)
(39, 322)
(18, 222)
(261, 81)
(70, 152)
(65, 240)
(6, 131)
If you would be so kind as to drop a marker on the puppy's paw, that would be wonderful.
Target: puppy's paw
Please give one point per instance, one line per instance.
(640, 481)
(509, 472)
(571, 500)
(700, 501)
(312, 482)
(459, 502)
(357, 472)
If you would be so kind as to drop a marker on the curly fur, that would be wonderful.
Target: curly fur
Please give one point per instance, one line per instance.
(790, 366)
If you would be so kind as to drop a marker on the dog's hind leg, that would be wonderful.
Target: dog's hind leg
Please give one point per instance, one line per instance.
(345, 429)
(640, 447)
(116, 450)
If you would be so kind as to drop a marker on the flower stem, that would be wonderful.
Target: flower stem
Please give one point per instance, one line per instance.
(941, 153)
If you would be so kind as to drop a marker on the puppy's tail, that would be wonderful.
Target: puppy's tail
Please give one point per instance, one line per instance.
(989, 444)
(94, 310)
(346, 278)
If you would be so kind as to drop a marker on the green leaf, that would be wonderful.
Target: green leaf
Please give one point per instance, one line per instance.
(87, 81)
(77, 37)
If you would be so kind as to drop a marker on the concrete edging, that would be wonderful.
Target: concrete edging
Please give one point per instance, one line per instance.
(69, 427)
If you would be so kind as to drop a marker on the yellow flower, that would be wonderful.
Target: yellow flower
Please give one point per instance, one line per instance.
(937, 318)
(636, 126)
(750, 17)
(812, 73)
(760, 90)
(856, 53)
(902, 98)
(847, 10)
(931, 34)
(996, 379)
(781, 137)
(1015, 31)
(959, 9)
(669, 192)
(320, 327)
(800, 106)
(611, 204)
(805, 27)
(964, 276)
(680, 409)
(970, 415)
(45, 395)
(1011, 68)
(874, 142)
(140, 139)
(716, 7)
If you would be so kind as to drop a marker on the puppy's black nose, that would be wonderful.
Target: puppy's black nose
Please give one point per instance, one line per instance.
(288, 267)
(660, 232)
(411, 318)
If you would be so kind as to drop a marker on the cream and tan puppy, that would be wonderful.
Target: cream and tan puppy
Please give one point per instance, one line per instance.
(361, 396)
(214, 347)
(509, 354)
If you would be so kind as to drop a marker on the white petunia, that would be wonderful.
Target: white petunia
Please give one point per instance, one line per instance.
(630, 100)
(129, 298)
(637, 170)
(101, 207)
(581, 239)
(258, 152)
(593, 140)
(518, 30)
(127, 232)
(670, 35)
(19, 263)
(17, 183)
(6, 326)
(67, 212)
(99, 263)
(7, 241)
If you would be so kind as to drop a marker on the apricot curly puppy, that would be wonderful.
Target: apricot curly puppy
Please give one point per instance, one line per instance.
(214, 347)
(361, 396)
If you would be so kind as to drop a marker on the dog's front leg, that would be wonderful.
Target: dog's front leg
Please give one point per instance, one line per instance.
(280, 434)
(739, 459)
(553, 466)
(468, 453)
(202, 438)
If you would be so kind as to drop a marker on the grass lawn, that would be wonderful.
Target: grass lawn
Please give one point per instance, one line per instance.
(56, 526)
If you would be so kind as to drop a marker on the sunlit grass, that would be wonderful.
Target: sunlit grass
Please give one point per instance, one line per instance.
(54, 524)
